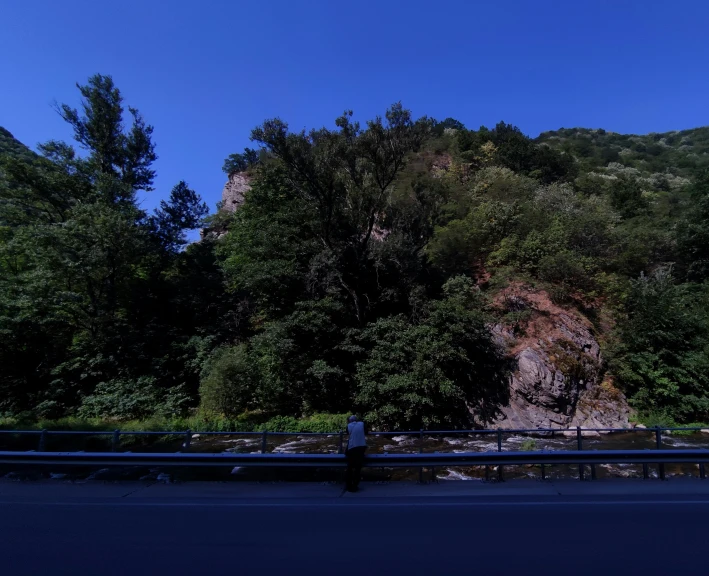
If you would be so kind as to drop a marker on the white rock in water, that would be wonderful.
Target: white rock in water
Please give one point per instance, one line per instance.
(704, 430)
(569, 433)
(162, 477)
(641, 427)
(195, 436)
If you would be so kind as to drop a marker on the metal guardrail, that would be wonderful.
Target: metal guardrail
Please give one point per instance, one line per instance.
(578, 457)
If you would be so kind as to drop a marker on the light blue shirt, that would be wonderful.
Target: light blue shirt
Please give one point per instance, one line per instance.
(356, 432)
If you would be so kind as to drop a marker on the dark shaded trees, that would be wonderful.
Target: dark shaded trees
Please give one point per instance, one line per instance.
(88, 279)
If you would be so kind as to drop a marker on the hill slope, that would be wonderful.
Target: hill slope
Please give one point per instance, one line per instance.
(680, 152)
(422, 274)
(10, 146)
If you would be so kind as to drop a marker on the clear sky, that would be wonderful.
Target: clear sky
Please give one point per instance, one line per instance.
(204, 72)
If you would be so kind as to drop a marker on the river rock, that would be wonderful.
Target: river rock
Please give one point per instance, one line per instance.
(704, 430)
(558, 382)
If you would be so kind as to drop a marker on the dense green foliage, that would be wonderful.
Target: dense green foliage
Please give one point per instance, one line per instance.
(358, 274)
(101, 312)
(678, 153)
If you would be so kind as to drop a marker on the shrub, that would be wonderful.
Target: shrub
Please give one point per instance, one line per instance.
(316, 423)
(228, 382)
(529, 445)
(125, 399)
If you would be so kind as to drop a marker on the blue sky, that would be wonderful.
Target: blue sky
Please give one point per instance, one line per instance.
(205, 72)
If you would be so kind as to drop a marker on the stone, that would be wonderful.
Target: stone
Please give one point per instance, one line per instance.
(234, 192)
(195, 436)
(558, 382)
(233, 197)
(102, 474)
(704, 430)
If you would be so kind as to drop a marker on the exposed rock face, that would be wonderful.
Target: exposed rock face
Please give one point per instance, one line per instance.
(234, 190)
(558, 379)
(233, 195)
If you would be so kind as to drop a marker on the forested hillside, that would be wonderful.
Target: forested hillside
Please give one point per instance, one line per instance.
(393, 268)
(9, 146)
(678, 153)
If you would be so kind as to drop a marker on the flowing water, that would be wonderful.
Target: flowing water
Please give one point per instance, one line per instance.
(457, 443)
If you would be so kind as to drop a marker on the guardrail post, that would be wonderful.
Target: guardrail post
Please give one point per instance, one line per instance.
(702, 471)
(188, 440)
(658, 442)
(646, 473)
(499, 449)
(264, 442)
(42, 441)
(544, 476)
(421, 452)
(116, 444)
(579, 445)
(341, 441)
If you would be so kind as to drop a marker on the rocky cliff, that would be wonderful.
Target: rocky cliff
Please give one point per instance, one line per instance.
(559, 381)
(233, 196)
(237, 186)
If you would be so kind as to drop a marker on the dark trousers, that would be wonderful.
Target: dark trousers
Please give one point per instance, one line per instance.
(355, 460)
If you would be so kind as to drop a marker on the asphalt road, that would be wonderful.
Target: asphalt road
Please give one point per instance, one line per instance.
(432, 536)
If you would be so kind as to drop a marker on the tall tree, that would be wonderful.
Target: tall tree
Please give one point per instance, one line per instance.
(113, 150)
(347, 177)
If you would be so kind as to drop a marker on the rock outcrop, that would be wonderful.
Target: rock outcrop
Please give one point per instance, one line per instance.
(233, 195)
(237, 186)
(559, 378)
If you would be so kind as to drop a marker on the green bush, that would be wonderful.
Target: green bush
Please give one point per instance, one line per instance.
(430, 374)
(228, 382)
(562, 268)
(529, 445)
(314, 423)
(126, 399)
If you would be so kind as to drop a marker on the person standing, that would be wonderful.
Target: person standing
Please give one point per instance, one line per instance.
(356, 447)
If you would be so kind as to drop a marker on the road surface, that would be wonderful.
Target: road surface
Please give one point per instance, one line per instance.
(118, 529)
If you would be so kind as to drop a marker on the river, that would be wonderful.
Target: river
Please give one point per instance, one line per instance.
(456, 443)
